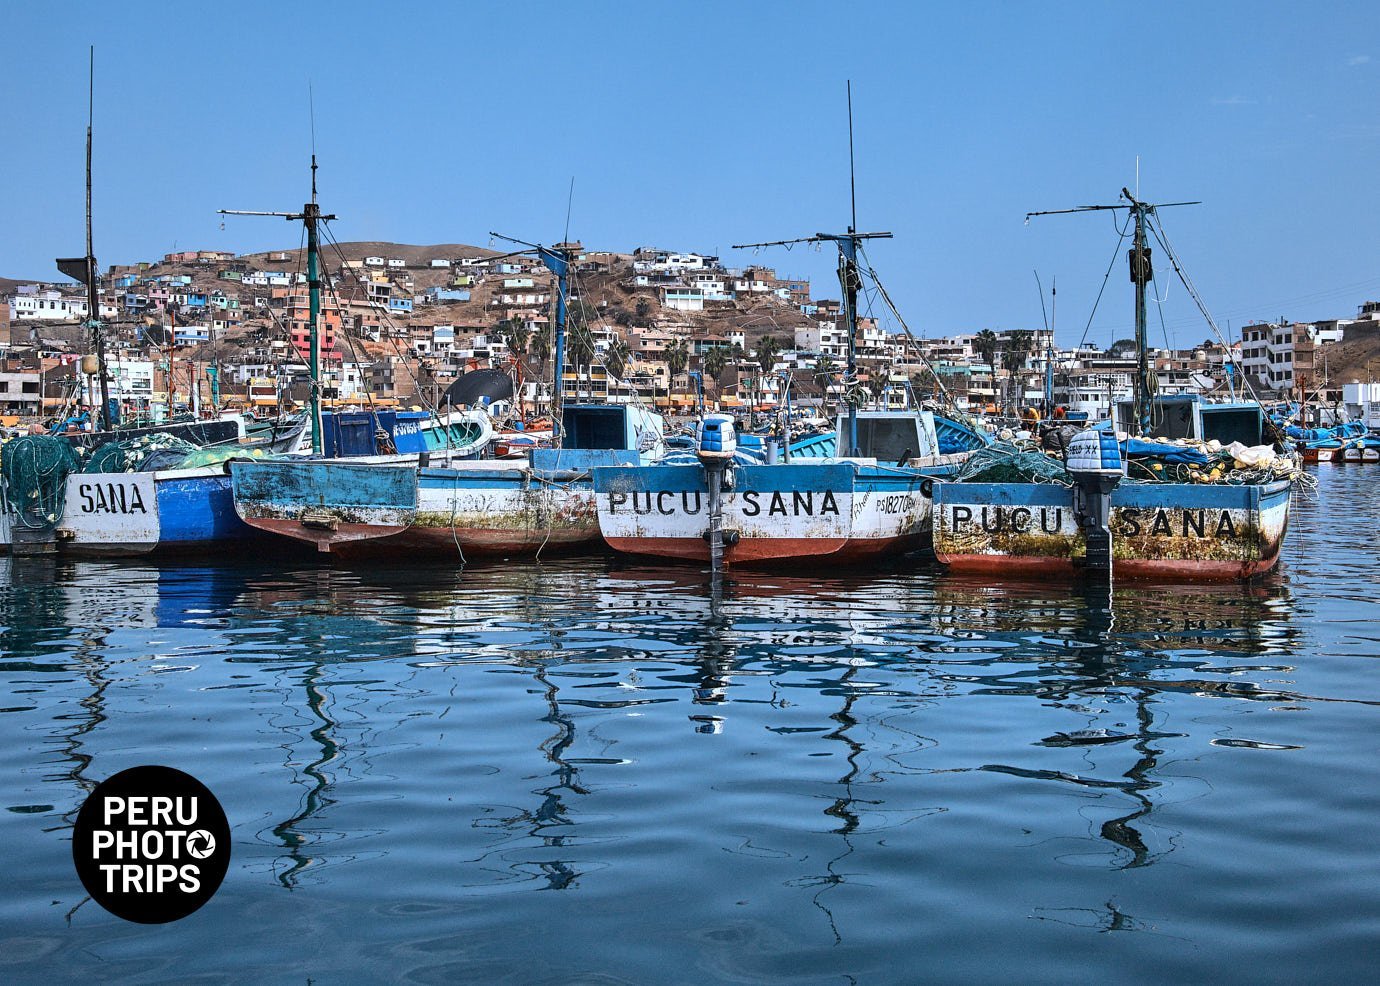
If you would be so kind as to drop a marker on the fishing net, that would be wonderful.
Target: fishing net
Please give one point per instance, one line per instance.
(133, 454)
(34, 469)
(1146, 462)
(201, 457)
(1008, 462)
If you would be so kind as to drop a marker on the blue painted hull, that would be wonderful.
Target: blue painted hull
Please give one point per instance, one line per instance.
(478, 508)
(131, 514)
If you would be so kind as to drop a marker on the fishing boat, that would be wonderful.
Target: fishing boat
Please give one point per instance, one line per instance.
(422, 437)
(866, 498)
(49, 503)
(469, 508)
(1187, 491)
(1334, 444)
(147, 491)
(851, 509)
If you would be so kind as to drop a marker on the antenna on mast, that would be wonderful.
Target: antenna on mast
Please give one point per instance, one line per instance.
(569, 201)
(311, 114)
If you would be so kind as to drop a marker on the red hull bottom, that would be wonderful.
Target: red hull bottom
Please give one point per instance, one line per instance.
(769, 551)
(325, 539)
(452, 543)
(1160, 570)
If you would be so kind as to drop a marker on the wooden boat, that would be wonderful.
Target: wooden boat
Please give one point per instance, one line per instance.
(487, 507)
(468, 507)
(1169, 531)
(1097, 521)
(844, 510)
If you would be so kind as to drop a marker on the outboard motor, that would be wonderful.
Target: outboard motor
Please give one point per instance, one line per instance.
(717, 443)
(1094, 461)
(717, 438)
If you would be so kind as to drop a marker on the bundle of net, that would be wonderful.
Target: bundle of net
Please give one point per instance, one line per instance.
(142, 454)
(1009, 462)
(35, 470)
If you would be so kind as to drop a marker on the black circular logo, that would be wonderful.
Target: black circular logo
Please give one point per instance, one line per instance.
(151, 844)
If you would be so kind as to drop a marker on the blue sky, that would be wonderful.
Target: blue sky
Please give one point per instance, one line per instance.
(695, 126)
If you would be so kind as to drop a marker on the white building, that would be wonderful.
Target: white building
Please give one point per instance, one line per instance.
(51, 306)
(822, 337)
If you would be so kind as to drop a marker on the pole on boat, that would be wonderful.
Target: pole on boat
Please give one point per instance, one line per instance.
(93, 306)
(557, 260)
(1141, 273)
(849, 280)
(84, 268)
(559, 265)
(310, 216)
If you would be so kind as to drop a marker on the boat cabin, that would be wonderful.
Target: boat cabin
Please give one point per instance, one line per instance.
(1189, 416)
(596, 433)
(891, 436)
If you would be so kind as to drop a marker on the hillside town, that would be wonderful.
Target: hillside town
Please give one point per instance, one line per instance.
(400, 324)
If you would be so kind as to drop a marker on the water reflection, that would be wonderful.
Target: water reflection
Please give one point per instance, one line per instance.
(804, 729)
(316, 798)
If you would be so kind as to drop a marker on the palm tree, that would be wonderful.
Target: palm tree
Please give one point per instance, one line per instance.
(677, 359)
(516, 334)
(715, 362)
(581, 345)
(986, 346)
(616, 357)
(542, 344)
(824, 375)
(767, 350)
(1013, 358)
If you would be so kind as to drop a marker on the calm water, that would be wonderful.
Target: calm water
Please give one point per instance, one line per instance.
(582, 771)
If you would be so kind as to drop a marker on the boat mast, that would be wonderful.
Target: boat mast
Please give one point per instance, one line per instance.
(310, 216)
(558, 264)
(172, 365)
(557, 260)
(1141, 273)
(850, 281)
(93, 306)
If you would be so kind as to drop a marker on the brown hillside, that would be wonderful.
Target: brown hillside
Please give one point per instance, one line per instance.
(1346, 361)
